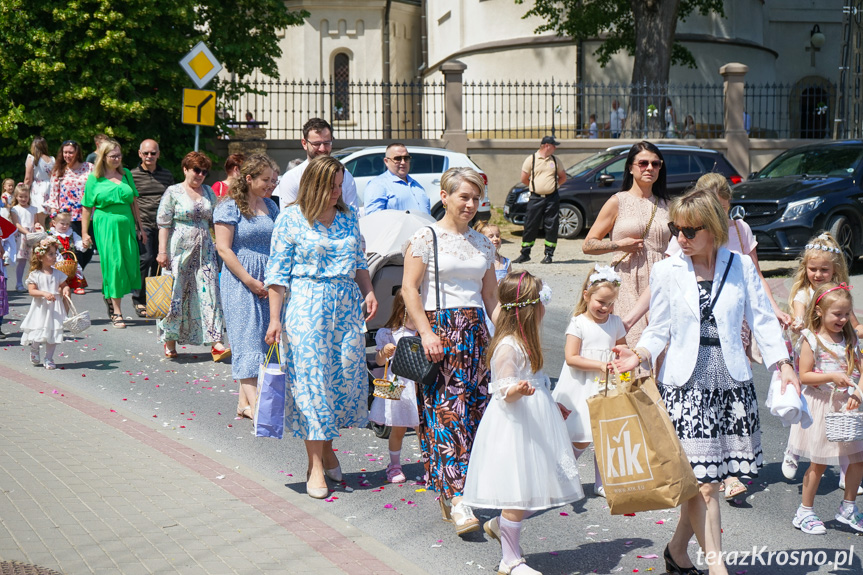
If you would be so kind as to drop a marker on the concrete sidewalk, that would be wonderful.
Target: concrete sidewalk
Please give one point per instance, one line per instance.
(86, 489)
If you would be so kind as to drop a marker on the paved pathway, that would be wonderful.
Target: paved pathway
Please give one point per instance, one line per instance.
(86, 489)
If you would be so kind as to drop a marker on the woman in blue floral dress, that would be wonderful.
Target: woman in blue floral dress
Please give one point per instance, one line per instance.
(244, 227)
(316, 255)
(188, 251)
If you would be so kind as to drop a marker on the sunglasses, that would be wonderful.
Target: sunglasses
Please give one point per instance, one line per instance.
(200, 171)
(149, 153)
(69, 143)
(643, 164)
(688, 233)
(398, 159)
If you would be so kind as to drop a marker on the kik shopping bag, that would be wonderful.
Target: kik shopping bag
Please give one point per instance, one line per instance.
(270, 407)
(642, 463)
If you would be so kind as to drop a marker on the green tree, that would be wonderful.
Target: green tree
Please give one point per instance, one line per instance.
(643, 28)
(74, 68)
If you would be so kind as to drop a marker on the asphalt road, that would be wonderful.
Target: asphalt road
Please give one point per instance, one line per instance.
(193, 400)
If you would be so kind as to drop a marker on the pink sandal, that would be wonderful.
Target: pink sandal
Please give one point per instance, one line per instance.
(395, 474)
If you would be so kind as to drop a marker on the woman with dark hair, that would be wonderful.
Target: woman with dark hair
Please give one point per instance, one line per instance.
(187, 249)
(37, 175)
(110, 197)
(232, 169)
(636, 218)
(244, 227)
(317, 263)
(67, 189)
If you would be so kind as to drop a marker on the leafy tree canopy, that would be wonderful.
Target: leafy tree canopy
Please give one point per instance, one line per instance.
(74, 68)
(624, 25)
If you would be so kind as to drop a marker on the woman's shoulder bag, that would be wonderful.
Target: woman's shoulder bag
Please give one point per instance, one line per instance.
(410, 360)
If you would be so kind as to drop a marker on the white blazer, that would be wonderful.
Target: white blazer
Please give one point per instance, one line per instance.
(675, 317)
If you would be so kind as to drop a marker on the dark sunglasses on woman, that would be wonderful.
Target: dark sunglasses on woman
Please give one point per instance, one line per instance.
(200, 172)
(688, 233)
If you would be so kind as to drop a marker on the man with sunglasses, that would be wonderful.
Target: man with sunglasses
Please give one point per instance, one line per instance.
(317, 141)
(395, 189)
(543, 175)
(151, 180)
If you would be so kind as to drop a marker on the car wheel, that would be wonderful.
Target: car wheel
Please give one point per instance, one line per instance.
(840, 228)
(571, 221)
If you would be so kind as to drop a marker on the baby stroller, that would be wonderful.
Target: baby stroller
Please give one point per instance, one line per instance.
(385, 234)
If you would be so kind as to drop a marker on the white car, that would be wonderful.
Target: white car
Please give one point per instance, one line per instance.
(427, 166)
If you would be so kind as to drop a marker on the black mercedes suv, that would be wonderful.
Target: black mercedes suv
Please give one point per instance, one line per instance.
(803, 191)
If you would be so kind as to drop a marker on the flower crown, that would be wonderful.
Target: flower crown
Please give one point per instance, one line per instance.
(823, 238)
(42, 247)
(544, 297)
(603, 274)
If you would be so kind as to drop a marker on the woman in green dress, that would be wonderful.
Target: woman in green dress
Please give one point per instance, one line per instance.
(186, 248)
(110, 199)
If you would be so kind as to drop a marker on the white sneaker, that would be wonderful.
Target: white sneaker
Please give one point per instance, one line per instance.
(789, 466)
(842, 487)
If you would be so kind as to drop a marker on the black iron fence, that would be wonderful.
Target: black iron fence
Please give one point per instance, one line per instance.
(802, 110)
(361, 110)
(569, 110)
(506, 110)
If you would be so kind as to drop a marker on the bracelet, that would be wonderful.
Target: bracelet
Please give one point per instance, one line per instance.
(638, 355)
(782, 362)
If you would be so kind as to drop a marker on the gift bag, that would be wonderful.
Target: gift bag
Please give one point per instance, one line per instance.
(4, 297)
(642, 463)
(270, 407)
(159, 290)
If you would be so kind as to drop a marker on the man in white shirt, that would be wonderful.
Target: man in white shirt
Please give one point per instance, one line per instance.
(317, 140)
(616, 119)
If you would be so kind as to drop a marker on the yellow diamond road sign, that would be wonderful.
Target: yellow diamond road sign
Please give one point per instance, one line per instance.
(201, 65)
(199, 107)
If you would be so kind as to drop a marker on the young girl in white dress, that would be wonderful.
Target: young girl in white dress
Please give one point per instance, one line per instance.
(522, 459)
(47, 286)
(24, 218)
(593, 331)
(830, 374)
(402, 413)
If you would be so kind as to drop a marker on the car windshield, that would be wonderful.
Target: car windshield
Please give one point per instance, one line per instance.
(590, 163)
(833, 161)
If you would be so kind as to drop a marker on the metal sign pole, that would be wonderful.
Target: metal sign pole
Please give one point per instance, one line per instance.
(197, 136)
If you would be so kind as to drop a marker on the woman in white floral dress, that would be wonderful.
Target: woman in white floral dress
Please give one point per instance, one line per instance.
(317, 264)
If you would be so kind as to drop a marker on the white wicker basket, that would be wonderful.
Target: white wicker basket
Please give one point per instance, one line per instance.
(75, 322)
(843, 426)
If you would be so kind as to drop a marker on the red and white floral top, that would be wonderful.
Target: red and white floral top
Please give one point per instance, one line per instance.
(67, 191)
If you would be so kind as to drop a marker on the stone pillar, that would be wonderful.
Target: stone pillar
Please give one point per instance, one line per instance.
(735, 133)
(248, 141)
(454, 132)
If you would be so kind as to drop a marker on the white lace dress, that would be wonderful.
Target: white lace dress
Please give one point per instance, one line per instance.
(522, 457)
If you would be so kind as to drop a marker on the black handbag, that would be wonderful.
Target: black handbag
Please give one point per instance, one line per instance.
(409, 360)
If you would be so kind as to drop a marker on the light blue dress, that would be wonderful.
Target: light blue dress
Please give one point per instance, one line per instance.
(323, 347)
(246, 315)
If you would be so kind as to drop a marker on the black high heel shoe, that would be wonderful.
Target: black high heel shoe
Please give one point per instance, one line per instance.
(675, 569)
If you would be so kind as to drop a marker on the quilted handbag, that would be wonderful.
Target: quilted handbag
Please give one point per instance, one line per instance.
(409, 360)
(75, 322)
(159, 291)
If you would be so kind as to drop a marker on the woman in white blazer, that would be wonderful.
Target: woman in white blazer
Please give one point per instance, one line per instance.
(705, 379)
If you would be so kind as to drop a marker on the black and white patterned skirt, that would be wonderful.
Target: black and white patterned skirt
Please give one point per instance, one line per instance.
(716, 419)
